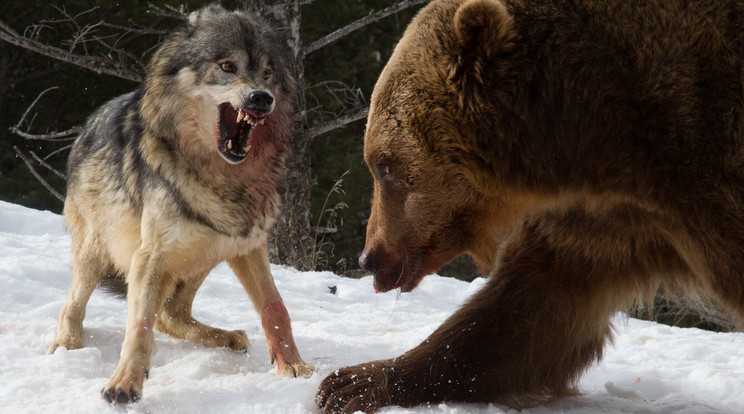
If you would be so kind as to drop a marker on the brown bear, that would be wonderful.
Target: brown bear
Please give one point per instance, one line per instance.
(582, 152)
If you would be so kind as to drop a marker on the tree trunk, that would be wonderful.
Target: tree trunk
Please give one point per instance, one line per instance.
(292, 241)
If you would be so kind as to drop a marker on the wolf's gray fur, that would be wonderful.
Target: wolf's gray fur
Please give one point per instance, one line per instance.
(169, 180)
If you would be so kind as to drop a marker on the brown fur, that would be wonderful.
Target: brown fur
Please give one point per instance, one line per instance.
(582, 153)
(152, 198)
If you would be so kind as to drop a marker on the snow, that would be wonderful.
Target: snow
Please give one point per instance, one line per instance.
(651, 368)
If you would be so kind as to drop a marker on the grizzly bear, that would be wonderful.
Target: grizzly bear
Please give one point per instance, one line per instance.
(582, 152)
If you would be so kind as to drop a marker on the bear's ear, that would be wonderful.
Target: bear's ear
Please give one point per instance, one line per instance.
(484, 32)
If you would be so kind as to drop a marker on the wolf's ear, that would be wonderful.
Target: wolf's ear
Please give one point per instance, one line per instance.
(484, 32)
(194, 17)
(210, 9)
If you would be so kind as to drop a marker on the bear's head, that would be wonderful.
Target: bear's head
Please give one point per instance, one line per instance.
(435, 196)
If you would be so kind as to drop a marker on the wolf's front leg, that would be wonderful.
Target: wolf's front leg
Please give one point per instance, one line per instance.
(144, 298)
(254, 273)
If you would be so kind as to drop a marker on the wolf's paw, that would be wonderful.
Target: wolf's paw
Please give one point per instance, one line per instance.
(217, 338)
(125, 386)
(300, 369)
(120, 396)
(237, 340)
(68, 343)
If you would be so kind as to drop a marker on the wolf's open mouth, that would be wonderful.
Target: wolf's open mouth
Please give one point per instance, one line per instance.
(235, 129)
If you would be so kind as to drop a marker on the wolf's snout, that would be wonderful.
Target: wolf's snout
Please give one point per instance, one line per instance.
(260, 102)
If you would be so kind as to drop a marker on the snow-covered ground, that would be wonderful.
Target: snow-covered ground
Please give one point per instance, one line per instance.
(651, 368)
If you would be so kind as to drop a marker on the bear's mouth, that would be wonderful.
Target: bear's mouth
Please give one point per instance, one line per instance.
(233, 142)
(407, 272)
(406, 282)
(406, 275)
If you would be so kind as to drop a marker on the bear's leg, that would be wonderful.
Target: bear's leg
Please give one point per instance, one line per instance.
(727, 286)
(526, 337)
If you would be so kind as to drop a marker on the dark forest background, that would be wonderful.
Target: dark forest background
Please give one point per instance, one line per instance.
(338, 78)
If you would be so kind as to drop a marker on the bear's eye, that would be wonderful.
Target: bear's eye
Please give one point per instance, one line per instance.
(382, 170)
(228, 67)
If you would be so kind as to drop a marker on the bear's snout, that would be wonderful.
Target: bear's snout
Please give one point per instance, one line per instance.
(387, 271)
(390, 271)
(368, 261)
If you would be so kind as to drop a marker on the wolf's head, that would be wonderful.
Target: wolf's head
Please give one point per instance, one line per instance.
(220, 81)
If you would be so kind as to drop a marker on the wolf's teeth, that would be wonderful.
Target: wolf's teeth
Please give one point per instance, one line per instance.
(241, 115)
(247, 148)
(262, 121)
(249, 120)
(229, 144)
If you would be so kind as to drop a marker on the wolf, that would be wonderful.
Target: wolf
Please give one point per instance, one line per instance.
(168, 181)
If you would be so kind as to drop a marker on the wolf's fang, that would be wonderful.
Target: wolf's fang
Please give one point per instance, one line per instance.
(240, 116)
(229, 144)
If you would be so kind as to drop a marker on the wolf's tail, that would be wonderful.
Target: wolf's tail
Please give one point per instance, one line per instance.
(114, 284)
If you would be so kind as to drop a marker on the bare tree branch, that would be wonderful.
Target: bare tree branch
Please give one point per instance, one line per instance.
(169, 11)
(30, 107)
(96, 64)
(338, 95)
(325, 230)
(53, 136)
(51, 154)
(47, 166)
(337, 123)
(364, 21)
(36, 174)
(67, 135)
(343, 94)
(80, 32)
(137, 30)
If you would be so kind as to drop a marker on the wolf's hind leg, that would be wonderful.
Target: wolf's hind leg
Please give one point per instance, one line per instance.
(254, 274)
(87, 271)
(175, 319)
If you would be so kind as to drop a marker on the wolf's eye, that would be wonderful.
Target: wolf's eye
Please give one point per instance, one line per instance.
(267, 73)
(228, 67)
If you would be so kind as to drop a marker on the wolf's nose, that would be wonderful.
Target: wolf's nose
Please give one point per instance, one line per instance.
(260, 101)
